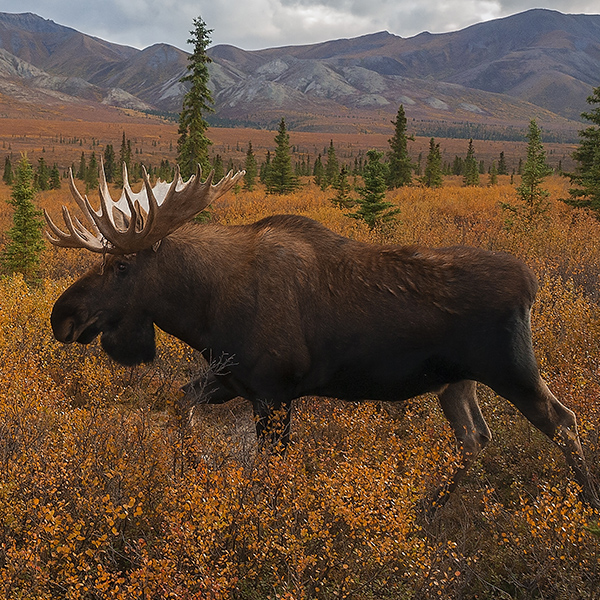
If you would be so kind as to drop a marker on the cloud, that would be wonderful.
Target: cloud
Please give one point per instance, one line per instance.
(252, 24)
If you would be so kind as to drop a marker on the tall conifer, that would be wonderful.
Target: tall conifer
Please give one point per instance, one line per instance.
(400, 167)
(471, 167)
(372, 208)
(533, 205)
(193, 143)
(586, 178)
(281, 178)
(433, 166)
(332, 167)
(251, 169)
(55, 178)
(8, 172)
(502, 168)
(110, 165)
(25, 240)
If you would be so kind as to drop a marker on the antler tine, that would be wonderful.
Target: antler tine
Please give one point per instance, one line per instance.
(123, 242)
(80, 233)
(81, 201)
(126, 186)
(231, 179)
(78, 237)
(195, 195)
(103, 187)
(152, 202)
(102, 218)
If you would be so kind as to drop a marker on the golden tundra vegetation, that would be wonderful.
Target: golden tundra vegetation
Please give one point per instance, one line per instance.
(107, 491)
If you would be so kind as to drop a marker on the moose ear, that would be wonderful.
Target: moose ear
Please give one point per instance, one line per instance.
(156, 245)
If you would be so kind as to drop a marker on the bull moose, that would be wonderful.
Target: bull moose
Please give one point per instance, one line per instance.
(302, 311)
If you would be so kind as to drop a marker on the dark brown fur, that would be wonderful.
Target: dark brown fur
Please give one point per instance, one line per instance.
(302, 311)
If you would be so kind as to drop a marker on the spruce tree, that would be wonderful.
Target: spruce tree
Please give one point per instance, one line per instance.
(493, 174)
(372, 206)
(8, 173)
(502, 168)
(281, 178)
(251, 169)
(534, 204)
(586, 178)
(471, 167)
(400, 166)
(193, 143)
(42, 175)
(82, 169)
(265, 168)
(135, 173)
(25, 240)
(110, 165)
(55, 178)
(342, 188)
(165, 173)
(534, 171)
(433, 166)
(124, 159)
(218, 168)
(318, 171)
(332, 167)
(91, 173)
(458, 166)
(418, 167)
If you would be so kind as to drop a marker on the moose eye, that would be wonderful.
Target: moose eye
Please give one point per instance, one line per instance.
(121, 268)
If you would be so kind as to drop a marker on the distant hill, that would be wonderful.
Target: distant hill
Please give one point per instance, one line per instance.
(539, 63)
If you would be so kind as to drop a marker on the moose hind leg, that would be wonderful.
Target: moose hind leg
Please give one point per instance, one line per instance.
(460, 406)
(542, 409)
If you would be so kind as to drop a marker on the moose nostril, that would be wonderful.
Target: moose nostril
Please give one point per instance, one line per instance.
(67, 331)
(71, 330)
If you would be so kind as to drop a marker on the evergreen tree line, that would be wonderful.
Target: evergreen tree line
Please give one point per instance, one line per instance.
(484, 132)
(43, 177)
(399, 169)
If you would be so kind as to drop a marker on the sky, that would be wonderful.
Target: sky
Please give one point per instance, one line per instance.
(255, 24)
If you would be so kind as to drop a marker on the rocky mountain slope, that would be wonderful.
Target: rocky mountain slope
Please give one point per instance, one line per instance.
(539, 63)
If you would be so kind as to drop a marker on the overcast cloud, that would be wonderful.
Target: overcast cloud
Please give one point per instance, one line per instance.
(254, 24)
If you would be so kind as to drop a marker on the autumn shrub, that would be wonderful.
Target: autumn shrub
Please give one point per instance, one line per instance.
(109, 489)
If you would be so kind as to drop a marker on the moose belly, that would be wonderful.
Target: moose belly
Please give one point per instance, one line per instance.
(390, 379)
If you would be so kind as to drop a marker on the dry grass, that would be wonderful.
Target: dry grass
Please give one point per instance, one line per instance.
(105, 492)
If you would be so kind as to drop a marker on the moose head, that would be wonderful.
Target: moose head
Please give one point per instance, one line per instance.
(128, 233)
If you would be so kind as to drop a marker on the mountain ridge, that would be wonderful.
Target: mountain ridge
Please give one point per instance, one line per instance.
(536, 64)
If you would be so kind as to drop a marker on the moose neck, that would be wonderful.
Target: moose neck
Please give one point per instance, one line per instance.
(199, 273)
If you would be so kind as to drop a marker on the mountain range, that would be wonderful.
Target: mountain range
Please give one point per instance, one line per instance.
(537, 64)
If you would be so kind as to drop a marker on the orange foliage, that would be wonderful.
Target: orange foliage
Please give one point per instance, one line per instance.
(108, 491)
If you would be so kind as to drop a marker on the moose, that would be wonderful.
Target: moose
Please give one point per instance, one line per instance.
(302, 311)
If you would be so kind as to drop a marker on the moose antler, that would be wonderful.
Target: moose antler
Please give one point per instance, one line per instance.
(124, 226)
